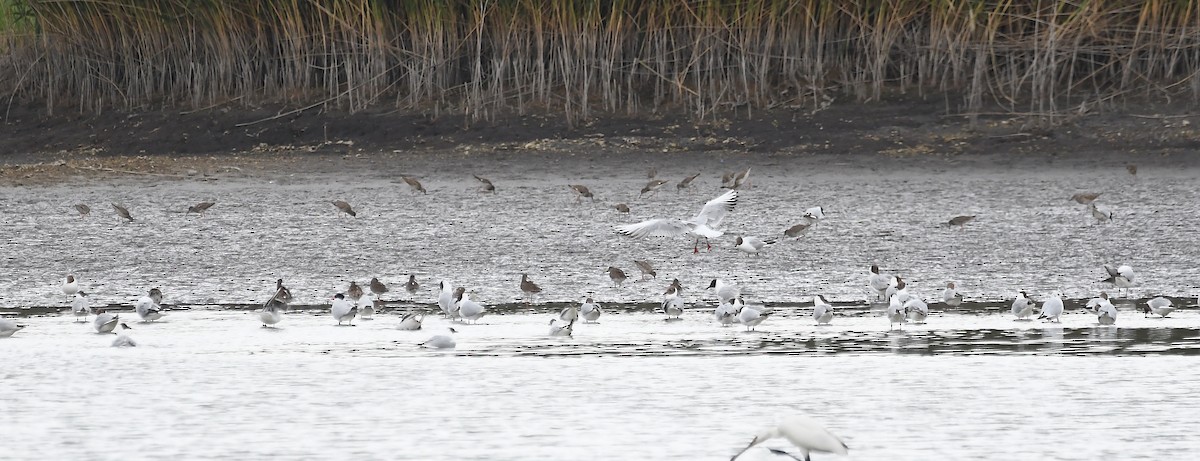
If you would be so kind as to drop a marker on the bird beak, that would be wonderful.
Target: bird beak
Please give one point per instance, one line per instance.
(752, 443)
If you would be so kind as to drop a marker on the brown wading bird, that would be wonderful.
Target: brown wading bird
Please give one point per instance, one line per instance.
(411, 286)
(674, 286)
(736, 180)
(686, 181)
(960, 221)
(282, 294)
(201, 207)
(487, 184)
(414, 184)
(622, 207)
(355, 292)
(646, 269)
(378, 287)
(345, 207)
(653, 185)
(581, 192)
(1131, 168)
(83, 210)
(617, 275)
(529, 288)
(800, 229)
(122, 212)
(1085, 198)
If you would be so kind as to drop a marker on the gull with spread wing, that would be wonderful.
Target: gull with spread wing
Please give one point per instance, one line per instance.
(702, 226)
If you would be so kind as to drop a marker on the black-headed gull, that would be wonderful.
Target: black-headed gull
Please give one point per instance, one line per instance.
(879, 282)
(343, 310)
(446, 299)
(569, 313)
(149, 307)
(1106, 312)
(105, 322)
(917, 309)
(1052, 308)
(411, 321)
(561, 328)
(749, 316)
(951, 296)
(803, 432)
(751, 245)
(70, 286)
(8, 327)
(672, 304)
(1159, 306)
(702, 226)
(895, 312)
(271, 313)
(724, 291)
(590, 310)
(726, 312)
(822, 310)
(1099, 214)
(1023, 308)
(1122, 277)
(468, 310)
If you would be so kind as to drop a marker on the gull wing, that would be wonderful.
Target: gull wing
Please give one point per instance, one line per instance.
(1111, 272)
(655, 228)
(715, 210)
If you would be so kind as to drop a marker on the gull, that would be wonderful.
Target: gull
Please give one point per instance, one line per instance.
(1122, 277)
(343, 310)
(468, 309)
(617, 275)
(879, 282)
(724, 291)
(751, 245)
(1106, 313)
(149, 307)
(1052, 308)
(1159, 306)
(83, 210)
(8, 327)
(590, 310)
(569, 313)
(1023, 308)
(621, 207)
(529, 288)
(895, 312)
(960, 221)
(446, 299)
(646, 268)
(345, 207)
(414, 184)
(822, 310)
(486, 184)
(105, 322)
(70, 286)
(726, 312)
(411, 321)
(916, 309)
(441, 341)
(951, 296)
(377, 287)
(122, 212)
(803, 432)
(1085, 198)
(702, 226)
(81, 307)
(652, 186)
(366, 308)
(672, 304)
(200, 208)
(411, 286)
(1100, 215)
(683, 184)
(270, 313)
(282, 294)
(581, 192)
(816, 212)
(900, 289)
(123, 339)
(749, 316)
(561, 328)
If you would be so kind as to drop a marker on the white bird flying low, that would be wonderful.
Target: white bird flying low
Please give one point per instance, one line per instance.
(702, 226)
(803, 432)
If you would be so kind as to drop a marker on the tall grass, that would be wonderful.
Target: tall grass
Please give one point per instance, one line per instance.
(483, 58)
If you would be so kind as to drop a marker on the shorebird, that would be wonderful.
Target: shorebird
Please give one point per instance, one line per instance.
(468, 309)
(486, 184)
(1052, 308)
(685, 182)
(951, 296)
(675, 285)
(414, 184)
(702, 226)
(83, 210)
(916, 309)
(1086, 198)
(1100, 215)
(105, 322)
(590, 310)
(617, 275)
(123, 339)
(282, 294)
(651, 173)
(581, 192)
(750, 317)
(80, 306)
(1131, 168)
(122, 212)
(529, 288)
(70, 286)
(200, 208)
(652, 186)
(895, 312)
(1023, 308)
(736, 180)
(343, 310)
(441, 341)
(345, 207)
(960, 221)
(1159, 306)
(804, 433)
(621, 207)
(799, 230)
(8, 327)
(879, 282)
(377, 287)
(751, 245)
(561, 328)
(645, 268)
(149, 307)
(411, 321)
(411, 286)
(725, 291)
(355, 292)
(672, 304)
(1122, 277)
(822, 310)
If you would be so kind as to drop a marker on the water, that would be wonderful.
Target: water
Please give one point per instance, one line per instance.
(209, 383)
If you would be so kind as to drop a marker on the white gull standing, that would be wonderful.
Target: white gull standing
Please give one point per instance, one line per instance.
(1052, 308)
(149, 307)
(343, 310)
(81, 307)
(822, 310)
